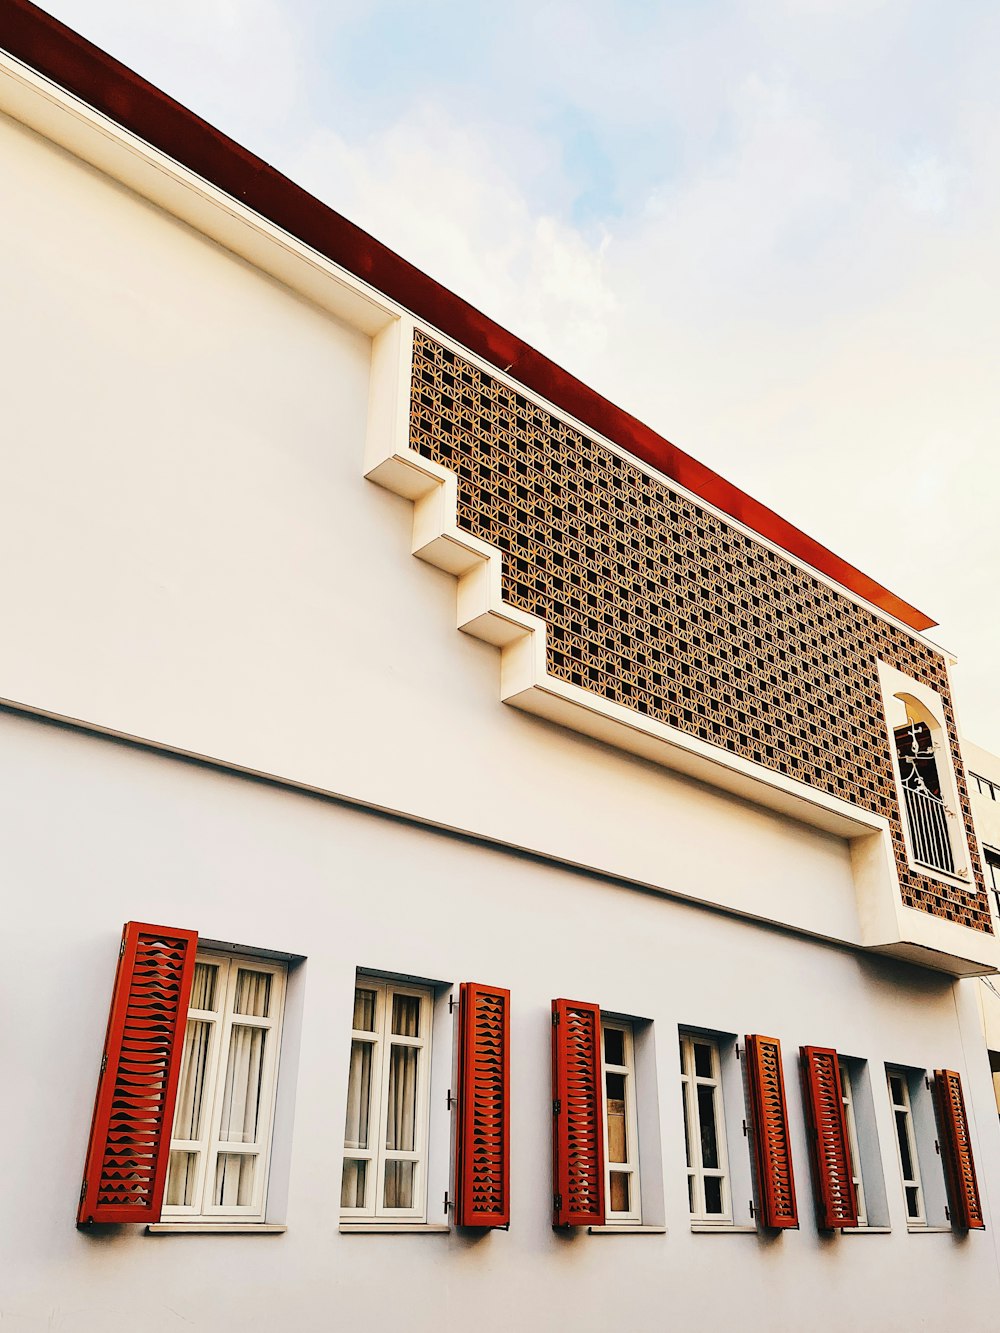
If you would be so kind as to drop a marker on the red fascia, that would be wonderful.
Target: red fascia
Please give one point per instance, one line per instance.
(58, 53)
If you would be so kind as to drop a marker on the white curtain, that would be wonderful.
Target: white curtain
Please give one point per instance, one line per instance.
(240, 1116)
(203, 986)
(359, 1095)
(253, 993)
(194, 1070)
(400, 1130)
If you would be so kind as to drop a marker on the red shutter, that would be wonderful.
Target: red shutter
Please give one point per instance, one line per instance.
(577, 1115)
(956, 1149)
(833, 1178)
(130, 1133)
(769, 1117)
(482, 1165)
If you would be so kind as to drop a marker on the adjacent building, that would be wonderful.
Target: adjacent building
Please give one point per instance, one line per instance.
(598, 965)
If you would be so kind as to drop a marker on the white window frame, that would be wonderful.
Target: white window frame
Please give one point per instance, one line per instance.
(904, 1108)
(210, 1146)
(895, 686)
(377, 1154)
(847, 1097)
(991, 873)
(633, 1215)
(696, 1172)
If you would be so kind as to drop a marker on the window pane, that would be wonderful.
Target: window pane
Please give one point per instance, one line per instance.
(241, 1108)
(352, 1185)
(181, 1179)
(193, 1080)
(620, 1191)
(896, 1089)
(406, 1015)
(686, 1091)
(359, 1095)
(364, 1010)
(614, 1046)
(234, 1173)
(401, 1115)
(912, 1201)
(702, 1060)
(691, 1193)
(253, 993)
(905, 1160)
(203, 986)
(706, 1119)
(399, 1184)
(617, 1146)
(713, 1194)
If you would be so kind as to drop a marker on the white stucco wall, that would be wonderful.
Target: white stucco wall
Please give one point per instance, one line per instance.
(96, 832)
(192, 557)
(196, 559)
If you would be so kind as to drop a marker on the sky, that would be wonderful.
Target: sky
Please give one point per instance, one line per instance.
(769, 229)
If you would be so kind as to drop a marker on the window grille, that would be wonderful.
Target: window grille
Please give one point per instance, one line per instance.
(926, 812)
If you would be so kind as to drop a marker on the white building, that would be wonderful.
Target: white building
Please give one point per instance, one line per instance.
(983, 775)
(724, 810)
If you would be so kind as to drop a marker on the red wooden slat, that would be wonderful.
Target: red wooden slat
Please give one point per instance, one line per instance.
(482, 1167)
(956, 1150)
(577, 1115)
(833, 1179)
(769, 1117)
(127, 1156)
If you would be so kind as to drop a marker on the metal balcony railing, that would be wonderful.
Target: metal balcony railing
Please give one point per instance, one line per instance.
(928, 820)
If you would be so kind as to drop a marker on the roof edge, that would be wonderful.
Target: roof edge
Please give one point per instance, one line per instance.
(111, 88)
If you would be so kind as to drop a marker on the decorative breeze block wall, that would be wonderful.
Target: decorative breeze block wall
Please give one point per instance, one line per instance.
(658, 605)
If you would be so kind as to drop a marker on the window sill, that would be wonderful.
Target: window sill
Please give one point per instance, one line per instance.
(394, 1229)
(723, 1229)
(929, 1231)
(865, 1231)
(216, 1228)
(627, 1229)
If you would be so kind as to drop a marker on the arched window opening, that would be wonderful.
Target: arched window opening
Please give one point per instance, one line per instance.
(926, 811)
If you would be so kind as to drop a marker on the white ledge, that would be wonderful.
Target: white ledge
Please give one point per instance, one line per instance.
(710, 1229)
(929, 1231)
(394, 1229)
(867, 1231)
(216, 1228)
(627, 1230)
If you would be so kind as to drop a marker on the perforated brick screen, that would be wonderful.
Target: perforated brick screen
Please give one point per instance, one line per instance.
(658, 605)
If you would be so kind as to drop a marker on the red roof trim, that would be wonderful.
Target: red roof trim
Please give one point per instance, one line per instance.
(58, 53)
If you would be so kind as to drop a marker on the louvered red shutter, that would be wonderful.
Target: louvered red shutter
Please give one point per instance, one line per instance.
(956, 1149)
(482, 1167)
(130, 1133)
(772, 1150)
(577, 1115)
(833, 1178)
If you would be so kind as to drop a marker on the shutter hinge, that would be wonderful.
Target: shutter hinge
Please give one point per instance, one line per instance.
(104, 1062)
(557, 1202)
(937, 1147)
(121, 948)
(753, 1212)
(448, 1205)
(927, 1083)
(556, 1105)
(451, 1003)
(947, 1212)
(739, 1054)
(746, 1132)
(83, 1190)
(450, 1101)
(555, 1018)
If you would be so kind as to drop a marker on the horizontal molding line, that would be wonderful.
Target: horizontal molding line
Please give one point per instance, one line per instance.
(163, 749)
